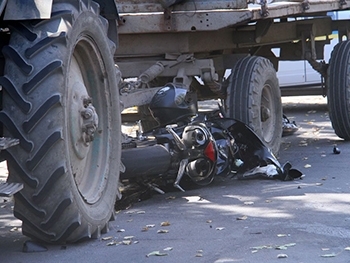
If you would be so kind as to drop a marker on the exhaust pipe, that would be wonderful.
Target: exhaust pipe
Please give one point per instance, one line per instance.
(143, 161)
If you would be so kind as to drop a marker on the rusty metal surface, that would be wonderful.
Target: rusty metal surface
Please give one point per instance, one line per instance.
(134, 6)
(154, 20)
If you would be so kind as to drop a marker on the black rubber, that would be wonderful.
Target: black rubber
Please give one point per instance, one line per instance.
(338, 89)
(252, 84)
(70, 186)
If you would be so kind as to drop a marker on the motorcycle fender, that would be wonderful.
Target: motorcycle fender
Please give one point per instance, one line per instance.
(28, 9)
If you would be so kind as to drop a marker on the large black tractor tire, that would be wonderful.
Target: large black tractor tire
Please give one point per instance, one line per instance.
(254, 97)
(338, 86)
(59, 82)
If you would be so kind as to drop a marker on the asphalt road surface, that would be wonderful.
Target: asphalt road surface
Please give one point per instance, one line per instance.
(257, 220)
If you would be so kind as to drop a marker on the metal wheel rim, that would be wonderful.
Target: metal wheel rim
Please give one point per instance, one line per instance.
(88, 162)
(267, 113)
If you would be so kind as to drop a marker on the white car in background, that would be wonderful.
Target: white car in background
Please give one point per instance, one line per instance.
(292, 74)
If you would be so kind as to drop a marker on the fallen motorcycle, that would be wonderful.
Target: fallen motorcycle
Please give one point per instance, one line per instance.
(198, 146)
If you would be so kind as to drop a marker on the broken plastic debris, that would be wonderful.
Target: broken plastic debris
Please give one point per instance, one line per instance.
(336, 150)
(269, 171)
(307, 166)
(168, 249)
(220, 228)
(282, 256)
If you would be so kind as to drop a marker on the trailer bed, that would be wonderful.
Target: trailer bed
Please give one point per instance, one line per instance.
(136, 18)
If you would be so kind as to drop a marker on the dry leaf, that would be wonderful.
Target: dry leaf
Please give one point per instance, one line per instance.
(162, 231)
(209, 221)
(127, 242)
(261, 247)
(151, 226)
(156, 253)
(171, 197)
(242, 218)
(284, 247)
(290, 244)
(128, 237)
(106, 238)
(199, 255)
(113, 243)
(281, 235)
(332, 255)
(129, 212)
(14, 229)
(166, 223)
(144, 229)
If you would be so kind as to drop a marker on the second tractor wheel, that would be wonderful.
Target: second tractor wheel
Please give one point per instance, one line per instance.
(254, 97)
(338, 83)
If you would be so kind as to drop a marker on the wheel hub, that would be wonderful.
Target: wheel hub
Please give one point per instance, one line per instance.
(90, 121)
(265, 113)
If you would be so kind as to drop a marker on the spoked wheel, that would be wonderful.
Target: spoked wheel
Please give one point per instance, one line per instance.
(61, 100)
(254, 97)
(338, 84)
